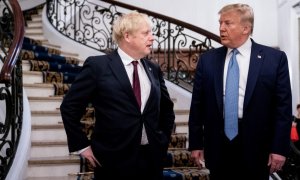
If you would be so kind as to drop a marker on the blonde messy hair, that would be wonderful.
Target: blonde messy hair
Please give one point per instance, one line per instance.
(245, 11)
(128, 23)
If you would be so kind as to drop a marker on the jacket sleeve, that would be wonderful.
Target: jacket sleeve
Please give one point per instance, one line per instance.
(167, 116)
(74, 105)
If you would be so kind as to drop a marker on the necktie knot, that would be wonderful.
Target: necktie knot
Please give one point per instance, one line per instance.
(135, 63)
(234, 52)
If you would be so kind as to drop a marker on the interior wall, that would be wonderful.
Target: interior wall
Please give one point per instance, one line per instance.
(288, 40)
(28, 4)
(204, 14)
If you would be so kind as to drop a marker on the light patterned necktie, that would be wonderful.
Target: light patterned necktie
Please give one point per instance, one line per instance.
(232, 97)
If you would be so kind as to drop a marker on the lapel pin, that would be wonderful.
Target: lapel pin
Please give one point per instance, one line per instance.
(259, 56)
(150, 69)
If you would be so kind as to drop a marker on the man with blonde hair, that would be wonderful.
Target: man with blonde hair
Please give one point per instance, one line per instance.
(240, 118)
(133, 109)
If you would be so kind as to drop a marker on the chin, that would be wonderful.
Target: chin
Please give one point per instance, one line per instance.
(224, 42)
(148, 51)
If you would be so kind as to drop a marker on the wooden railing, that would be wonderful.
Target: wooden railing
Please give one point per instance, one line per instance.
(16, 46)
(11, 94)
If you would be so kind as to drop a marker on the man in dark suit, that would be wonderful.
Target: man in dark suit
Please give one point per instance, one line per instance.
(251, 140)
(133, 121)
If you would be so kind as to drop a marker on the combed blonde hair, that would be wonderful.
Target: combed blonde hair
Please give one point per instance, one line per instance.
(246, 12)
(128, 23)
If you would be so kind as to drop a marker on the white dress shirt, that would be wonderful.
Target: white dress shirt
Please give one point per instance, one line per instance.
(144, 83)
(243, 60)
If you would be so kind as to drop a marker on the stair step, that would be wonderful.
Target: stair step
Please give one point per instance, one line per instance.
(48, 127)
(40, 12)
(39, 89)
(26, 65)
(182, 127)
(188, 173)
(46, 148)
(45, 103)
(181, 115)
(35, 24)
(46, 117)
(39, 37)
(31, 77)
(48, 133)
(36, 17)
(59, 166)
(30, 30)
(51, 178)
(34, 34)
(54, 160)
(50, 45)
(64, 53)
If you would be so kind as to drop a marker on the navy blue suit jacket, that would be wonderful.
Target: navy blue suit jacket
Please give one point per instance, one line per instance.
(267, 111)
(115, 141)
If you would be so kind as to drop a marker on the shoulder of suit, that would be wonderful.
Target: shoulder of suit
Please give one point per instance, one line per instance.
(215, 52)
(101, 59)
(150, 62)
(268, 49)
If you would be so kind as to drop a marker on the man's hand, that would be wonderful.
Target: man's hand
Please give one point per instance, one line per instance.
(276, 162)
(198, 157)
(89, 155)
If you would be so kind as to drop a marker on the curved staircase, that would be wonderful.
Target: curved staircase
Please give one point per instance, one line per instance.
(49, 157)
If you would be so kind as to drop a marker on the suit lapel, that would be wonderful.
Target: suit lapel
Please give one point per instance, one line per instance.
(220, 61)
(118, 69)
(256, 60)
(149, 72)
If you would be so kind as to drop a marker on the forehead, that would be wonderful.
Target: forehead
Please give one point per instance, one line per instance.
(144, 26)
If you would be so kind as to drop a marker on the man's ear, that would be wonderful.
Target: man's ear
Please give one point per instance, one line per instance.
(246, 29)
(126, 36)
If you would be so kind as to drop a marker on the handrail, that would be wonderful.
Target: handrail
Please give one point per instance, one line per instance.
(177, 45)
(11, 84)
(16, 46)
(167, 18)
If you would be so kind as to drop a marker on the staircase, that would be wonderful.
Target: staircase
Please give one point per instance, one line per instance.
(49, 157)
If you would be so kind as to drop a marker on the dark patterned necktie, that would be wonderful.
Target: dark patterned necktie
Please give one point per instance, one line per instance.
(136, 83)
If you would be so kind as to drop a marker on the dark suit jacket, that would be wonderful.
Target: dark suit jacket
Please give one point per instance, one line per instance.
(118, 129)
(267, 110)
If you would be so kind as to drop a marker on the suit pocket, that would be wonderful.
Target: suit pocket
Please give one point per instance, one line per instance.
(162, 138)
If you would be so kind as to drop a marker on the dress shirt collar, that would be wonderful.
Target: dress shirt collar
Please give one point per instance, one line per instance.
(244, 49)
(126, 59)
